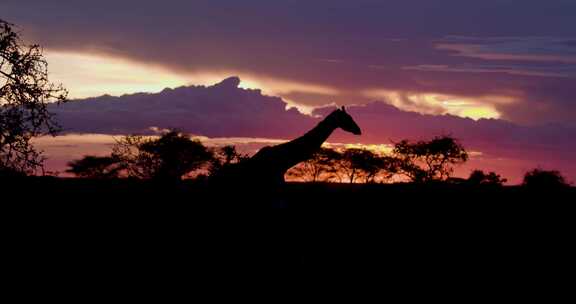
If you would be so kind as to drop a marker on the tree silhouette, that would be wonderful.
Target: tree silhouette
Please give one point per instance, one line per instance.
(224, 157)
(542, 179)
(98, 167)
(321, 167)
(429, 160)
(25, 93)
(167, 158)
(135, 163)
(360, 164)
(389, 167)
(478, 177)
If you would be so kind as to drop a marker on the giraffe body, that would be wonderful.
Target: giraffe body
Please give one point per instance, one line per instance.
(270, 163)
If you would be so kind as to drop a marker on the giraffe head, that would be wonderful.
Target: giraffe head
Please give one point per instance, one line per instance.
(345, 122)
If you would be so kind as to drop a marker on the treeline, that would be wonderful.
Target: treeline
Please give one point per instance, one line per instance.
(170, 157)
(421, 161)
(174, 156)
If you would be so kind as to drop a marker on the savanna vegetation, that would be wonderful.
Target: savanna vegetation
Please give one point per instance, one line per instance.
(174, 158)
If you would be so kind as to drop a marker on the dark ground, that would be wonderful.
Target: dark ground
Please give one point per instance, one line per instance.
(428, 240)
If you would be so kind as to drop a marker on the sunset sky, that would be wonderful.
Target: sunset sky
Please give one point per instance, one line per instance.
(509, 60)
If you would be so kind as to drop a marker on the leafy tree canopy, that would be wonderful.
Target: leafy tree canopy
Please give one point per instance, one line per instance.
(424, 161)
(544, 179)
(25, 93)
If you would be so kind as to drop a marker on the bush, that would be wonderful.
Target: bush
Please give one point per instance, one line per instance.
(543, 179)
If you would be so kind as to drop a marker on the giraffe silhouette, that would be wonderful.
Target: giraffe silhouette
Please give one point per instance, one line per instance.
(270, 163)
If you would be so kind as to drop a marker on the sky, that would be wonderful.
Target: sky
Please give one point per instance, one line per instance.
(492, 63)
(514, 60)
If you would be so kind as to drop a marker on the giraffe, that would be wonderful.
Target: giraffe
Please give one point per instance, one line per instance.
(270, 163)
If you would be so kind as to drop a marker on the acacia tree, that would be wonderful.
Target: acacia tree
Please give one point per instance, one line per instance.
(321, 167)
(97, 167)
(360, 165)
(25, 93)
(224, 157)
(429, 160)
(544, 179)
(167, 158)
(478, 177)
(389, 167)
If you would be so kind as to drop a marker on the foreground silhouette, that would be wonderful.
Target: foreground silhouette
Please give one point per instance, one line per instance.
(269, 165)
(94, 231)
(25, 93)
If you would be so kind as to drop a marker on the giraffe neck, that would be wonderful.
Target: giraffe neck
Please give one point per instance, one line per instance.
(282, 157)
(310, 142)
(319, 134)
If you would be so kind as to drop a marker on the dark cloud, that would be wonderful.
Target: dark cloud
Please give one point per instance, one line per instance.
(551, 100)
(530, 48)
(333, 43)
(224, 110)
(522, 70)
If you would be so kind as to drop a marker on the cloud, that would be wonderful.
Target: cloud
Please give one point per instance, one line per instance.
(225, 110)
(89, 75)
(546, 71)
(439, 104)
(531, 49)
(220, 110)
(92, 74)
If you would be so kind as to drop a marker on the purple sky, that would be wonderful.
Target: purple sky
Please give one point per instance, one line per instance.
(494, 58)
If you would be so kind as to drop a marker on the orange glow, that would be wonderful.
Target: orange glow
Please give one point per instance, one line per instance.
(87, 75)
(380, 149)
(90, 75)
(436, 104)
